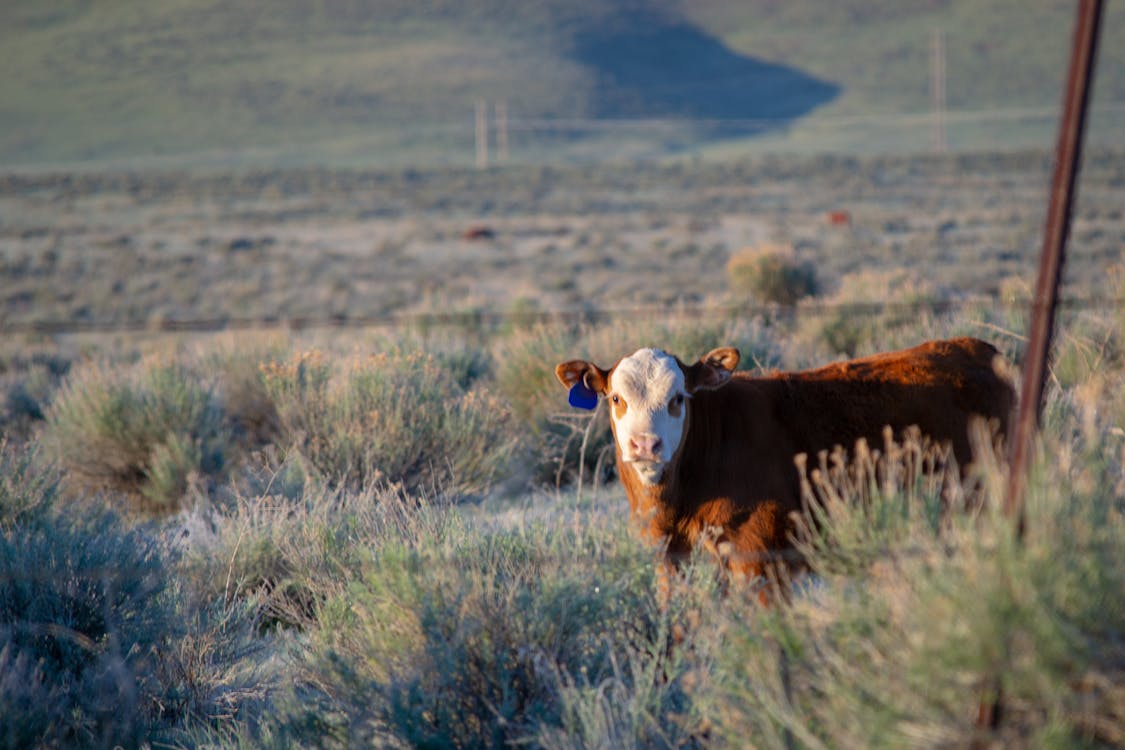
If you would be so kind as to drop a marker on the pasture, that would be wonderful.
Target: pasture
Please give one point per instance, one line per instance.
(320, 244)
(378, 82)
(326, 534)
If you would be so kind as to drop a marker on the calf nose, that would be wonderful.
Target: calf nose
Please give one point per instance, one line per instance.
(646, 446)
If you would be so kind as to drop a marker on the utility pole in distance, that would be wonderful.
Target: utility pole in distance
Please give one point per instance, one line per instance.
(482, 134)
(501, 131)
(937, 87)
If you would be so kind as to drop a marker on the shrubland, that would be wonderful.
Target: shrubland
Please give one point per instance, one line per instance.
(312, 246)
(391, 539)
(101, 643)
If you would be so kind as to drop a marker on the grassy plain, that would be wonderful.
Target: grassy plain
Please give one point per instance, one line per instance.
(391, 535)
(140, 248)
(386, 82)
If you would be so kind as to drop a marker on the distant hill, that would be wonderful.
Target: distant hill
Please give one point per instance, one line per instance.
(651, 64)
(394, 81)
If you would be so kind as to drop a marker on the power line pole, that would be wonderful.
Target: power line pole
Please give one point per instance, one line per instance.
(937, 87)
(502, 131)
(482, 134)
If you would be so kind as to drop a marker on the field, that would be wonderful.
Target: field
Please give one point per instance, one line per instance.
(391, 82)
(363, 514)
(333, 246)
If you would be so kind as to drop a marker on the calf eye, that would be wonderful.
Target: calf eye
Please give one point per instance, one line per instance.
(676, 405)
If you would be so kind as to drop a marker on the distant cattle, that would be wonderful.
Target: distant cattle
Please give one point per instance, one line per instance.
(479, 233)
(839, 218)
(705, 453)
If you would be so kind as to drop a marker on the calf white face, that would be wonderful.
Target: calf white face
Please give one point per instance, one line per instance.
(647, 403)
(648, 394)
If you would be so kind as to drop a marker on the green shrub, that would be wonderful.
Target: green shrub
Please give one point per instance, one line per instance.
(236, 368)
(27, 385)
(771, 274)
(525, 374)
(283, 556)
(452, 636)
(1083, 346)
(146, 432)
(872, 311)
(98, 647)
(395, 417)
(915, 625)
(83, 614)
(27, 490)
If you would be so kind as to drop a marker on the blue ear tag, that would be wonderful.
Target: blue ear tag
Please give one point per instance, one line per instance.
(582, 397)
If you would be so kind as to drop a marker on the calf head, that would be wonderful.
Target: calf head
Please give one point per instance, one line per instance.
(649, 394)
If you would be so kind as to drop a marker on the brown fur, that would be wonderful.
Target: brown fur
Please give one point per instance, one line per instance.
(734, 470)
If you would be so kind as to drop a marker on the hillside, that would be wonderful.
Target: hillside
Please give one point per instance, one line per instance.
(379, 81)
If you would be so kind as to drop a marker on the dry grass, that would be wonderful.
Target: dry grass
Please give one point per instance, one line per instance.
(99, 646)
(771, 274)
(295, 608)
(317, 244)
(146, 434)
(389, 418)
(921, 613)
(302, 602)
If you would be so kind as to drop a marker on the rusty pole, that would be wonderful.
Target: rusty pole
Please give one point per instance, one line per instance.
(1068, 153)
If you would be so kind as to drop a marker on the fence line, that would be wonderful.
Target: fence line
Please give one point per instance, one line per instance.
(546, 124)
(499, 318)
(462, 129)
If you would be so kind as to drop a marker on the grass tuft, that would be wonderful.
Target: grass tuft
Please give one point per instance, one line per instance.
(771, 274)
(390, 418)
(872, 311)
(144, 435)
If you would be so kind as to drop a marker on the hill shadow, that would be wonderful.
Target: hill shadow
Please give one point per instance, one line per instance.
(650, 65)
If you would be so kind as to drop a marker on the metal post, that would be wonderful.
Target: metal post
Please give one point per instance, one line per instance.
(1068, 156)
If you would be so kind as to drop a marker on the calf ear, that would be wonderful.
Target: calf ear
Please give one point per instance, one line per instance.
(712, 370)
(578, 371)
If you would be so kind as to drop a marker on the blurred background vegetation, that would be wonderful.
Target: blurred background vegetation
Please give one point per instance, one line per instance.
(378, 82)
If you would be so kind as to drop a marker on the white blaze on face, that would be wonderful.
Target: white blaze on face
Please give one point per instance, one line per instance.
(647, 406)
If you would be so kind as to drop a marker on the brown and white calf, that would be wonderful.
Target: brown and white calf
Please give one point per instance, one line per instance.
(705, 452)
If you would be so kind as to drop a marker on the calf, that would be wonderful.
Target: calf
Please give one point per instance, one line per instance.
(707, 453)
